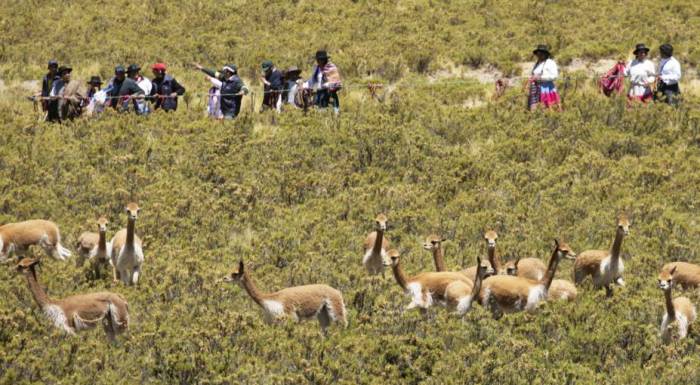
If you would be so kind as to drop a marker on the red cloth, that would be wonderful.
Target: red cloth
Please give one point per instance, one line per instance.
(159, 67)
(612, 81)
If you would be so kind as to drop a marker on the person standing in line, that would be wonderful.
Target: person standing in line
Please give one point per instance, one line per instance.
(291, 86)
(114, 86)
(325, 79)
(135, 87)
(165, 89)
(542, 90)
(231, 88)
(642, 74)
(273, 84)
(668, 76)
(95, 98)
(47, 83)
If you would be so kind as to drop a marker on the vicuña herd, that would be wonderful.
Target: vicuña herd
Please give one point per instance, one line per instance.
(519, 284)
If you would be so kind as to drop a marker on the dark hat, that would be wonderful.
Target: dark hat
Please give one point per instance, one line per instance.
(666, 49)
(65, 68)
(267, 64)
(640, 47)
(541, 48)
(53, 63)
(119, 69)
(322, 55)
(95, 80)
(230, 67)
(292, 71)
(133, 68)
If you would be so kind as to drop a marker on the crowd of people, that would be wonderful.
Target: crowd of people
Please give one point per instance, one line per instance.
(647, 82)
(129, 90)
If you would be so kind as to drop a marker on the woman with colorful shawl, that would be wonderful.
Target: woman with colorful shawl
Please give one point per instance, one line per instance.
(541, 83)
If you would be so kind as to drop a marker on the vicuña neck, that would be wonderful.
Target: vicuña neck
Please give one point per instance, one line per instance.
(38, 293)
(617, 244)
(477, 284)
(551, 269)
(399, 275)
(494, 259)
(102, 244)
(130, 226)
(670, 310)
(439, 259)
(252, 289)
(377, 248)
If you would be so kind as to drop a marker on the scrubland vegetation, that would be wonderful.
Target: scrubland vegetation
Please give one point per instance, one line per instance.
(294, 195)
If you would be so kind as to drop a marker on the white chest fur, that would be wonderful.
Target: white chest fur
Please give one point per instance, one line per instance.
(608, 271)
(273, 309)
(56, 315)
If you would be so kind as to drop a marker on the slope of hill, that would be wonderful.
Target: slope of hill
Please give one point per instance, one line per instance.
(294, 196)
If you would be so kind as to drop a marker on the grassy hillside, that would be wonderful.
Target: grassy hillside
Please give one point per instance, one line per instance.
(295, 195)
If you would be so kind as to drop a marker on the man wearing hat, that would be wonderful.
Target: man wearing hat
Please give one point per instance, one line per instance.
(231, 87)
(325, 79)
(56, 93)
(642, 74)
(165, 89)
(272, 87)
(47, 83)
(542, 90)
(135, 88)
(291, 85)
(669, 75)
(114, 86)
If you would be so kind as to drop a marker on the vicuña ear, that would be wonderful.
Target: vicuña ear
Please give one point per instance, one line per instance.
(556, 242)
(240, 266)
(673, 271)
(478, 261)
(443, 240)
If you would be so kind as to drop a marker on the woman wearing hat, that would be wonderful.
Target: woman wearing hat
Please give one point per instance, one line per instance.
(325, 79)
(95, 99)
(544, 73)
(642, 74)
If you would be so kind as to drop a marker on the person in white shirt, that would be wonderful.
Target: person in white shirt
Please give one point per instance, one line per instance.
(642, 74)
(668, 76)
(541, 86)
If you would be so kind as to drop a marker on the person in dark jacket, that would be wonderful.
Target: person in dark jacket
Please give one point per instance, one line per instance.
(273, 84)
(130, 90)
(114, 86)
(165, 89)
(232, 89)
(47, 83)
(669, 74)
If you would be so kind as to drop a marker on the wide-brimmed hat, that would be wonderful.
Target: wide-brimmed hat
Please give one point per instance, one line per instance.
(53, 63)
(292, 71)
(266, 65)
(159, 67)
(322, 55)
(95, 80)
(133, 68)
(65, 68)
(119, 69)
(640, 47)
(541, 48)
(230, 67)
